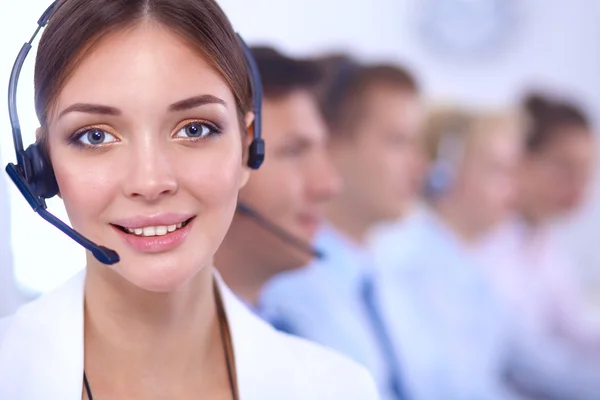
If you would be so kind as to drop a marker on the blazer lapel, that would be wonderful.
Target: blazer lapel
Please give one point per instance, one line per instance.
(255, 370)
(42, 353)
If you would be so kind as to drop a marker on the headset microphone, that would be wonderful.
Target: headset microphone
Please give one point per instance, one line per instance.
(34, 176)
(103, 254)
(280, 232)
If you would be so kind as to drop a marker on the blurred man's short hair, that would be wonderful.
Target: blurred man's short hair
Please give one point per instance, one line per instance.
(282, 75)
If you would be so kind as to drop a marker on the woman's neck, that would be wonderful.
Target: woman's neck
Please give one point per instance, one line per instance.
(530, 208)
(533, 217)
(458, 221)
(139, 343)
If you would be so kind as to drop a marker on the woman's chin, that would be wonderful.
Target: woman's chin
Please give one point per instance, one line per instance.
(162, 272)
(159, 277)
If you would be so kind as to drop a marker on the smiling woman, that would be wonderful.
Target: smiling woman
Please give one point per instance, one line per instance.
(122, 157)
(144, 108)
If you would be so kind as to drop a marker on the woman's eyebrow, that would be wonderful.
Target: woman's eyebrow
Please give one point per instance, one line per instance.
(90, 109)
(196, 101)
(182, 105)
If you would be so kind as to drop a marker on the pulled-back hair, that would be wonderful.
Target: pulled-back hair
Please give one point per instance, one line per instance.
(549, 118)
(77, 25)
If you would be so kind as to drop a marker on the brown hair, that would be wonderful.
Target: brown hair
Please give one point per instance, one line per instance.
(281, 74)
(346, 84)
(549, 118)
(77, 25)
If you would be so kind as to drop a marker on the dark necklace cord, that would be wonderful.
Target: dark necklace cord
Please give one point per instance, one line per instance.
(88, 390)
(226, 342)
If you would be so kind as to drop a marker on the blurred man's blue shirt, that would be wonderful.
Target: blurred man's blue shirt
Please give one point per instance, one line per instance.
(451, 330)
(434, 305)
(324, 303)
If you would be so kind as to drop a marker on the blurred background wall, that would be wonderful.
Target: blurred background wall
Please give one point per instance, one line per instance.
(474, 51)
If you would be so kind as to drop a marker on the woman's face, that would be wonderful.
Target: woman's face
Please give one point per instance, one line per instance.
(146, 146)
(559, 174)
(488, 177)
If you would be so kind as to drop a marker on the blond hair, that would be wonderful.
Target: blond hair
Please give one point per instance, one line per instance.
(453, 131)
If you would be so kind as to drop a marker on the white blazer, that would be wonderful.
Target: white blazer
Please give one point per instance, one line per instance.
(41, 355)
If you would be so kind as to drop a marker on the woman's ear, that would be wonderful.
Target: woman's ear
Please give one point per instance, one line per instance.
(248, 120)
(246, 140)
(38, 134)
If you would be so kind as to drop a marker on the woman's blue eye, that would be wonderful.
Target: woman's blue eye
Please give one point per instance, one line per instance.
(196, 130)
(96, 137)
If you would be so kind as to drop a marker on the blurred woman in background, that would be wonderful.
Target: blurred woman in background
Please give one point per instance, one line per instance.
(553, 182)
(447, 325)
(528, 264)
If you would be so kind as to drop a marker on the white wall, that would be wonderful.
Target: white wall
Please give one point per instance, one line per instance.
(554, 43)
(8, 293)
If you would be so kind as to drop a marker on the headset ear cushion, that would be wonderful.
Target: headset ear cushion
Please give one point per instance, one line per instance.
(440, 180)
(256, 154)
(43, 180)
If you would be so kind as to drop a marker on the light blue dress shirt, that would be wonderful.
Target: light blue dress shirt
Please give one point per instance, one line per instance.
(449, 327)
(325, 302)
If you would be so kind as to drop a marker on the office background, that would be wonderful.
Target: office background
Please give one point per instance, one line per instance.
(473, 51)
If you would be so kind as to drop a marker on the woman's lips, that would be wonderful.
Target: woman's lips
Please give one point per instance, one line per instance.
(155, 238)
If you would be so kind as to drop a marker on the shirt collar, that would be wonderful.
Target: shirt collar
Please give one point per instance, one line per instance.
(345, 259)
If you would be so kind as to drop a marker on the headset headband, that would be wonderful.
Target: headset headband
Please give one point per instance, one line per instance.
(34, 176)
(257, 147)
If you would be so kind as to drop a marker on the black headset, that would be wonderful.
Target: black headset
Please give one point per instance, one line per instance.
(448, 157)
(34, 176)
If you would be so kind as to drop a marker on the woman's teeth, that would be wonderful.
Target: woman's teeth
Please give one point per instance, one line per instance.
(154, 230)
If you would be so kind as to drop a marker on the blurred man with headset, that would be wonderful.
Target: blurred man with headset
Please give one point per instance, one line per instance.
(282, 206)
(374, 114)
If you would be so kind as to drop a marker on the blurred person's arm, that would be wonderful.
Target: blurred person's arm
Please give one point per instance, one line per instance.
(571, 318)
(542, 367)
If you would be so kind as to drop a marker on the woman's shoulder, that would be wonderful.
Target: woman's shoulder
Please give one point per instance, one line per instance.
(45, 315)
